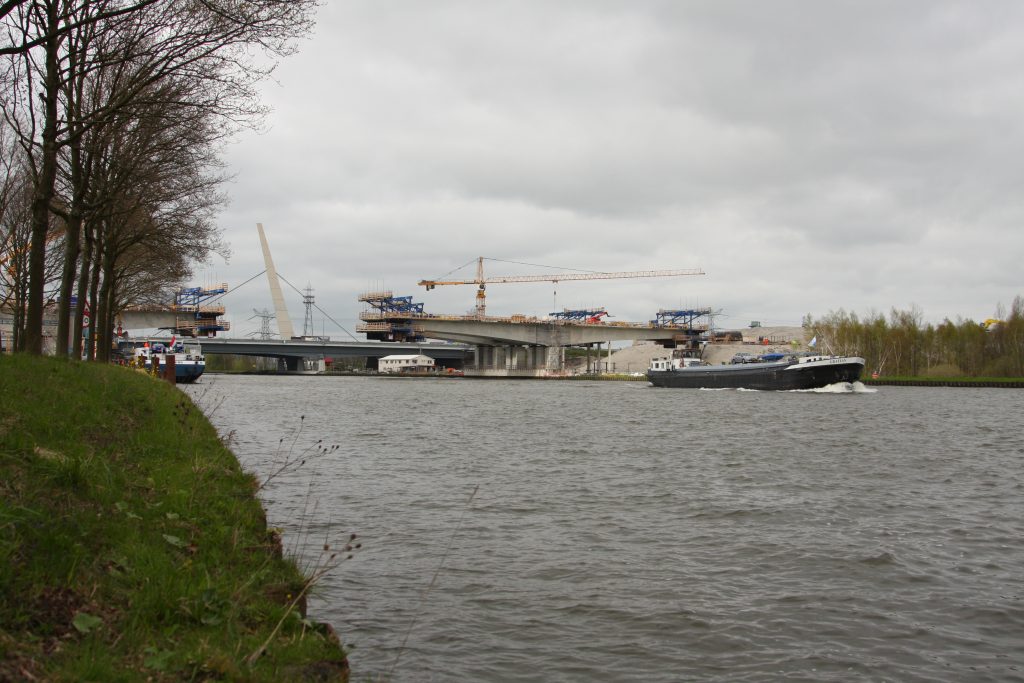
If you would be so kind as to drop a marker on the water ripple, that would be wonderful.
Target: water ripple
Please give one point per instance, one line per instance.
(626, 534)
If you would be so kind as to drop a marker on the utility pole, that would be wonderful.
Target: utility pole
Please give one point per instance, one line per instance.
(265, 317)
(308, 300)
(264, 333)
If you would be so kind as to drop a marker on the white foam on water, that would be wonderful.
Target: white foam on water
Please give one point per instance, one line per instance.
(837, 388)
(841, 388)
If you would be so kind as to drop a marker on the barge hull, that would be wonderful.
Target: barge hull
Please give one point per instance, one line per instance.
(782, 376)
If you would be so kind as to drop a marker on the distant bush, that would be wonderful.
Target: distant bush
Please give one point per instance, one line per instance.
(946, 370)
(902, 345)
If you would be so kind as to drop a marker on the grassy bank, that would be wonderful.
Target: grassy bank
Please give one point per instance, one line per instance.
(132, 546)
(978, 382)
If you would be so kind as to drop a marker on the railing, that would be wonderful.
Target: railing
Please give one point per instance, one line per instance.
(516, 319)
(196, 324)
(189, 308)
(384, 294)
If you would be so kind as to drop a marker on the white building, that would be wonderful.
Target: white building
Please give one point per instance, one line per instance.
(405, 363)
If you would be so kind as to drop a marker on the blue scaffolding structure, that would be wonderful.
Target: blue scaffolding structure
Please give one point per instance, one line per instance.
(394, 304)
(592, 315)
(384, 321)
(683, 318)
(194, 317)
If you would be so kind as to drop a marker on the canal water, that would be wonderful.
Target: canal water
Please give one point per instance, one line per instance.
(581, 531)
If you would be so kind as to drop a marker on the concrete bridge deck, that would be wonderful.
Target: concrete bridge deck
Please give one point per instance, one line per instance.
(538, 332)
(515, 346)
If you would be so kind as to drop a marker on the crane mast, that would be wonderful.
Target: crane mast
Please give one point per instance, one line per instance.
(481, 282)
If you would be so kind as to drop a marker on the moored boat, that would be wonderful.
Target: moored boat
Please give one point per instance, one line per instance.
(189, 362)
(785, 374)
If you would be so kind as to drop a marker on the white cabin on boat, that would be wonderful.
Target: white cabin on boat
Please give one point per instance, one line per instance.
(663, 364)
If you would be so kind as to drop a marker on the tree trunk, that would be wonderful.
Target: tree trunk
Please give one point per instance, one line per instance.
(44, 191)
(72, 248)
(20, 295)
(83, 290)
(105, 314)
(94, 301)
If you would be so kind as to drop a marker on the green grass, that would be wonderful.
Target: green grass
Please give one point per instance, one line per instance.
(943, 380)
(132, 546)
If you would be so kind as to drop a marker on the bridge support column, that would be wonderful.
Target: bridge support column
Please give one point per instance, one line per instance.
(521, 360)
(555, 359)
(511, 357)
(485, 357)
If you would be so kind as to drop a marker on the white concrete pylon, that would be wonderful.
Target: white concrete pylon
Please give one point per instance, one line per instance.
(284, 321)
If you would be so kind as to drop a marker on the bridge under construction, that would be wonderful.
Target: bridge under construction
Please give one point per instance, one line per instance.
(491, 346)
(520, 346)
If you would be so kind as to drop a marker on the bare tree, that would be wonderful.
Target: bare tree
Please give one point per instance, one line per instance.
(200, 41)
(68, 23)
(157, 194)
(14, 237)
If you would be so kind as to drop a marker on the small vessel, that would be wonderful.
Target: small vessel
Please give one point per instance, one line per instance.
(189, 362)
(790, 372)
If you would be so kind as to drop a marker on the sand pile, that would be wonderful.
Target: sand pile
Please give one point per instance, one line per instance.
(638, 357)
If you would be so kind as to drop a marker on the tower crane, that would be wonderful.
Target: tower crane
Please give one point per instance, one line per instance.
(482, 281)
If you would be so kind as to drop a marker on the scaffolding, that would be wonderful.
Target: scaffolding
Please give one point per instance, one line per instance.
(384, 319)
(194, 317)
(682, 318)
(583, 315)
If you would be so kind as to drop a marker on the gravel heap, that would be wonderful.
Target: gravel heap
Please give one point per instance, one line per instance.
(637, 358)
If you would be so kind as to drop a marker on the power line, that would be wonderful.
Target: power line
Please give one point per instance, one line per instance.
(221, 296)
(318, 308)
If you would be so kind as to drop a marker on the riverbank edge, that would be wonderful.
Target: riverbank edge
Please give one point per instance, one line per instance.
(132, 543)
(996, 382)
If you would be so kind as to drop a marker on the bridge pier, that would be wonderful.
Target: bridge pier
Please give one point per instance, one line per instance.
(514, 360)
(306, 356)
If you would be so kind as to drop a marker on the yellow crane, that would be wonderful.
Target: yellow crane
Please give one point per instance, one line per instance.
(482, 281)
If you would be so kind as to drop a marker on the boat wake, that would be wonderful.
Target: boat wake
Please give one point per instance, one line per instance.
(840, 388)
(837, 388)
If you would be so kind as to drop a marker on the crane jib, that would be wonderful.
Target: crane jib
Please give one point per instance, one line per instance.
(482, 281)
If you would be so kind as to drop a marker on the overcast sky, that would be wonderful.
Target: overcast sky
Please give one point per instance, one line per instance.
(808, 156)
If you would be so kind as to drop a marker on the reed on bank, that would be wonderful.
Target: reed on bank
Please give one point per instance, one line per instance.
(132, 545)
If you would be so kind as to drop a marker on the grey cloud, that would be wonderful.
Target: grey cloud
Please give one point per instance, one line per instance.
(809, 156)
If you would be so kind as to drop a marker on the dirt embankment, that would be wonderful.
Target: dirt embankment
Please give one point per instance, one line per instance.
(638, 357)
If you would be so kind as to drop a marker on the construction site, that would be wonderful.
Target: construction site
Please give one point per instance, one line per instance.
(529, 346)
(563, 343)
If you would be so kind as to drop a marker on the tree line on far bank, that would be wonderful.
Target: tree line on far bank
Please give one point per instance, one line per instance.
(113, 115)
(902, 345)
